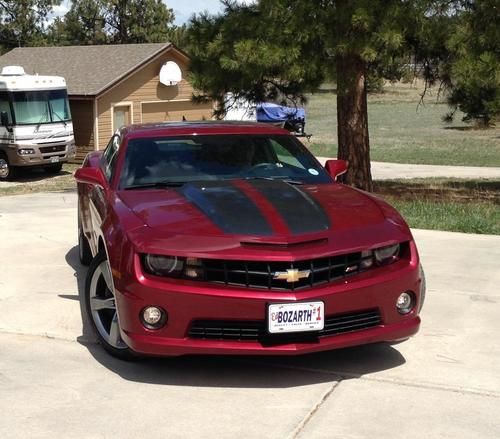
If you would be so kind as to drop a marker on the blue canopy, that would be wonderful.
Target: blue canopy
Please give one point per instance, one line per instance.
(267, 112)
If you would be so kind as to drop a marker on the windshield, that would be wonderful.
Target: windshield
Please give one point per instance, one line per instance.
(36, 107)
(219, 157)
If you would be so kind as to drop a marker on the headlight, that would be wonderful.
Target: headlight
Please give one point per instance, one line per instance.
(26, 151)
(164, 265)
(194, 268)
(173, 266)
(366, 259)
(386, 255)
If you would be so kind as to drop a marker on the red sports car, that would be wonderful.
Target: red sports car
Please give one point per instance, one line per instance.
(231, 238)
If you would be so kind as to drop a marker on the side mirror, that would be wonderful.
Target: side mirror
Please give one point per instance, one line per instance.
(336, 167)
(4, 120)
(92, 176)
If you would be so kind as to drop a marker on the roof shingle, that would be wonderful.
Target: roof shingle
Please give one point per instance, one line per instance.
(88, 70)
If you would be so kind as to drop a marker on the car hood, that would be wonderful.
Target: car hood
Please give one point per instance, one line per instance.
(212, 216)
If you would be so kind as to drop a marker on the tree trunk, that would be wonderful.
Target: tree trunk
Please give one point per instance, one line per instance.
(352, 121)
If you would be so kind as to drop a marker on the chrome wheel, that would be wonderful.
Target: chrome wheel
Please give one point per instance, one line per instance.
(102, 306)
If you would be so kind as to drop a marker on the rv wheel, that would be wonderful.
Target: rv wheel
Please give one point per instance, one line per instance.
(7, 172)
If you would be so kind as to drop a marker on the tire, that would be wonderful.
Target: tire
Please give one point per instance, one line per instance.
(53, 169)
(101, 308)
(7, 172)
(84, 252)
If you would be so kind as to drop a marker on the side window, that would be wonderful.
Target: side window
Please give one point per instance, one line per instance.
(285, 156)
(110, 155)
(5, 105)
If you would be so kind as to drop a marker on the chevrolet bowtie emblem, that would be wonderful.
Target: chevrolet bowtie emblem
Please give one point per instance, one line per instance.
(292, 275)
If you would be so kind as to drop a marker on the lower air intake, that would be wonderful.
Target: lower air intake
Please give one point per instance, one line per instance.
(256, 330)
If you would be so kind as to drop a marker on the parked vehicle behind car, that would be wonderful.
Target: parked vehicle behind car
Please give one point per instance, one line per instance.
(231, 238)
(35, 122)
(292, 119)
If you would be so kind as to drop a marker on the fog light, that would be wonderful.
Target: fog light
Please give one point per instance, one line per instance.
(153, 317)
(405, 302)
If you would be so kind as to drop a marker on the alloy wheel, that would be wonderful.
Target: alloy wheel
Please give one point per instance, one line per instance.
(103, 306)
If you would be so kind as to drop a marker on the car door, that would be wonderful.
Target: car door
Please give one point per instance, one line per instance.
(99, 197)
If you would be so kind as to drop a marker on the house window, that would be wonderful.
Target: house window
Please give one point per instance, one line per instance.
(121, 116)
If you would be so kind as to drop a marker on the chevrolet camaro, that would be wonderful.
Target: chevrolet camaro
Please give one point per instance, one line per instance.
(231, 238)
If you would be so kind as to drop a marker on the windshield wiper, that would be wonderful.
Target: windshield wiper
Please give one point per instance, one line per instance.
(43, 117)
(158, 184)
(54, 113)
(291, 181)
(278, 177)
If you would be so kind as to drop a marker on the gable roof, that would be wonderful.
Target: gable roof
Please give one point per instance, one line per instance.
(88, 70)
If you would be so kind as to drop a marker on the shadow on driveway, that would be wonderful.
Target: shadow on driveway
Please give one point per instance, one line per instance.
(236, 371)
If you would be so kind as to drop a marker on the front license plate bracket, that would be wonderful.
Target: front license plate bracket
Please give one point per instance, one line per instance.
(285, 318)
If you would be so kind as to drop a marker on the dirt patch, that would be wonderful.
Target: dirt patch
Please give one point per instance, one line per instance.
(444, 191)
(37, 180)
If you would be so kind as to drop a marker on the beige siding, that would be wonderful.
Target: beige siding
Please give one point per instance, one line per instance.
(142, 87)
(175, 111)
(82, 114)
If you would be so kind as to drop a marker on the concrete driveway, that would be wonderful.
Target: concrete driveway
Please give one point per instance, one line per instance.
(56, 382)
(391, 171)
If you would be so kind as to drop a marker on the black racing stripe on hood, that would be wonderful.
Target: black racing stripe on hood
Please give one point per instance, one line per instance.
(228, 207)
(300, 211)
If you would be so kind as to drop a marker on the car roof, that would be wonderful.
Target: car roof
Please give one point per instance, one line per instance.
(201, 128)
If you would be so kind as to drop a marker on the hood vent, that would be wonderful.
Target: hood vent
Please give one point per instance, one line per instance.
(284, 246)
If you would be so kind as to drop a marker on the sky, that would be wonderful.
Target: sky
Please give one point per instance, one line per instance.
(183, 9)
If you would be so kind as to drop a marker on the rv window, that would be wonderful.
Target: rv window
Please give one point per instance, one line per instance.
(37, 106)
(5, 105)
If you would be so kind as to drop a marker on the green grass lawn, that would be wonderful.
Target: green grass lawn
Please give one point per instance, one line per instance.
(482, 218)
(469, 206)
(402, 131)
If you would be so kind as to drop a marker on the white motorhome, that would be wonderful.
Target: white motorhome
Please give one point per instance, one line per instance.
(35, 122)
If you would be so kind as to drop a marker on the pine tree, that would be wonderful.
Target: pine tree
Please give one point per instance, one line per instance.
(115, 22)
(84, 23)
(473, 67)
(280, 49)
(22, 22)
(139, 21)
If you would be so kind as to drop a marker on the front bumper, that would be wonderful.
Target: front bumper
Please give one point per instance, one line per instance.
(43, 154)
(187, 302)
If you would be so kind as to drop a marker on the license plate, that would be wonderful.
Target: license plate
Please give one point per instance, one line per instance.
(296, 317)
(54, 159)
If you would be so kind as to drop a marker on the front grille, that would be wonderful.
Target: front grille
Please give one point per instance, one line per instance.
(256, 330)
(54, 148)
(255, 274)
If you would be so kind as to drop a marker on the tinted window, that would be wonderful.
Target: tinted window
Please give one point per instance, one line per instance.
(109, 156)
(215, 157)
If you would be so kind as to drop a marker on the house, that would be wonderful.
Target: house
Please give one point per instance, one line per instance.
(114, 85)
